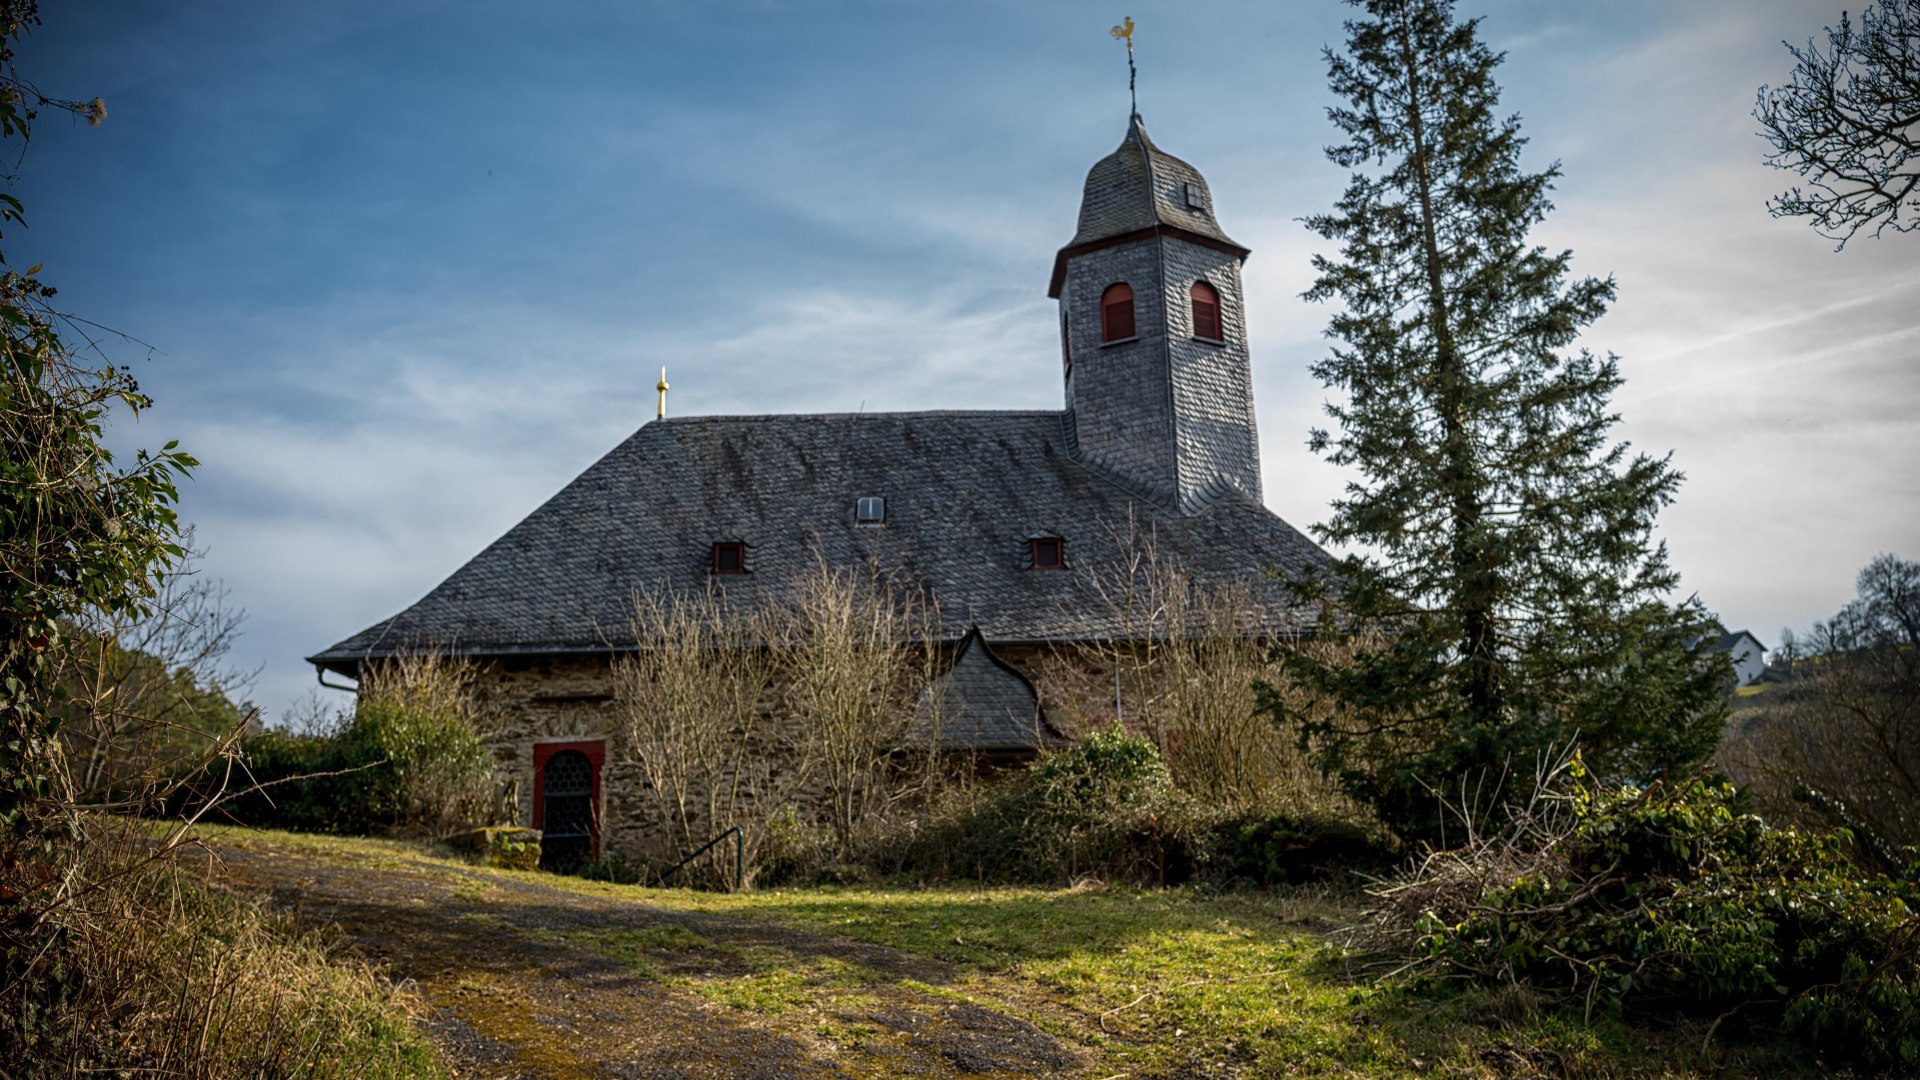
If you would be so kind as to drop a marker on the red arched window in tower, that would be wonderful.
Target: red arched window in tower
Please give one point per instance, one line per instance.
(1116, 312)
(1206, 312)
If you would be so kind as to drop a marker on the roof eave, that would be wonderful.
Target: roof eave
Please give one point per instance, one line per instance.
(1059, 278)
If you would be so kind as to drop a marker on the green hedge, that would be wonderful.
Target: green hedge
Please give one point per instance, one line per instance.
(390, 769)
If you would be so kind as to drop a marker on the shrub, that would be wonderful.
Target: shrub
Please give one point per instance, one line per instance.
(433, 767)
(1670, 898)
(408, 760)
(1088, 803)
(1291, 849)
(311, 783)
(1106, 807)
(416, 714)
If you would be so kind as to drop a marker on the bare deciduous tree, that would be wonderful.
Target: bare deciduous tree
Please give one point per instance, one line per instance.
(153, 695)
(1848, 120)
(857, 648)
(692, 712)
(1185, 663)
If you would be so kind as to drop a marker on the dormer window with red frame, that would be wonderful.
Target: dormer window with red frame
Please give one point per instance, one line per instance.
(730, 558)
(1049, 552)
(1206, 312)
(1116, 313)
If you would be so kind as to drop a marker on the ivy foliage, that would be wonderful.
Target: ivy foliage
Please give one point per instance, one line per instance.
(81, 534)
(1672, 898)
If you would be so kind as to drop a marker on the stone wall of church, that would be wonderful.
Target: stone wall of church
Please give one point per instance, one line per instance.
(524, 703)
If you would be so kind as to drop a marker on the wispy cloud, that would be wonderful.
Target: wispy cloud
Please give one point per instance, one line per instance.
(406, 292)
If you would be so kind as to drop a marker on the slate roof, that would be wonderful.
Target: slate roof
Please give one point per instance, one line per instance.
(1728, 640)
(984, 704)
(965, 493)
(1140, 186)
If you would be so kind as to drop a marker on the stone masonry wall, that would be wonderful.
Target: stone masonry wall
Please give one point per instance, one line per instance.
(523, 703)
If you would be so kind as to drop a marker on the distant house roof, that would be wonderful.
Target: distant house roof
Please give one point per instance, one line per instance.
(966, 493)
(1731, 639)
(981, 703)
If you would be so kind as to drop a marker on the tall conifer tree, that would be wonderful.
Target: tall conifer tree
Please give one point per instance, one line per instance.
(1507, 573)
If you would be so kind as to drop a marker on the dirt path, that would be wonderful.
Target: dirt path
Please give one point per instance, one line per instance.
(528, 980)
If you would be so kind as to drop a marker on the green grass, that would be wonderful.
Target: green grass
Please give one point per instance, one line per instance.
(1147, 982)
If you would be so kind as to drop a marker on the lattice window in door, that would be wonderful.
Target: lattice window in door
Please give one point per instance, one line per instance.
(566, 811)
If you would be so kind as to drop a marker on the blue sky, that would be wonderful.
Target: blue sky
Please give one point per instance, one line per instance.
(409, 267)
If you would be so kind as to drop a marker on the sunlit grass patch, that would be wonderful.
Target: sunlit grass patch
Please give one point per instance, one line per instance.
(1144, 982)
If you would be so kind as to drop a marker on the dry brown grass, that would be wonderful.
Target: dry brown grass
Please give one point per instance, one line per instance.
(146, 968)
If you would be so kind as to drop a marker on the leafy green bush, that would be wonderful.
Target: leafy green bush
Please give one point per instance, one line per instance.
(1290, 849)
(1670, 898)
(311, 783)
(1106, 807)
(1094, 803)
(408, 761)
(435, 765)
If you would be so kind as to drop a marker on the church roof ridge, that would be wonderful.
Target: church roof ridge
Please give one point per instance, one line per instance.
(896, 414)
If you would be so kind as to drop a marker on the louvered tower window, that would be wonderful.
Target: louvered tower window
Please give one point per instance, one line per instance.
(1206, 312)
(1116, 312)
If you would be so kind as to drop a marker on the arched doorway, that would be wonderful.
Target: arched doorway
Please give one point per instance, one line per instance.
(568, 808)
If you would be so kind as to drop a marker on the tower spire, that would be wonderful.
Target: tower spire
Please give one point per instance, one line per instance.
(1124, 32)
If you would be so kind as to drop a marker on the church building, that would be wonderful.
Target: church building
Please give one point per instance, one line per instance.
(996, 514)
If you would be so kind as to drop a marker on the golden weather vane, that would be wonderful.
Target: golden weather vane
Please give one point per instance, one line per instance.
(1124, 32)
(663, 392)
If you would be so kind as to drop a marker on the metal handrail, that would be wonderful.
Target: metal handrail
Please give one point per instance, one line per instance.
(739, 856)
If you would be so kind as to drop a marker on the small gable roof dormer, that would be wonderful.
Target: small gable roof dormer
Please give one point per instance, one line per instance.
(981, 703)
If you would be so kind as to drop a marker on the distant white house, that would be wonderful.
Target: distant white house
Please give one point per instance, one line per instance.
(1748, 654)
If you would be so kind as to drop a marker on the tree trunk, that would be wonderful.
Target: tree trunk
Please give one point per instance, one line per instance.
(1477, 586)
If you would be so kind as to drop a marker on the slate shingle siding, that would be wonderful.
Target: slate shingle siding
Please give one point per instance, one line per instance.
(1119, 393)
(981, 703)
(1215, 441)
(1139, 185)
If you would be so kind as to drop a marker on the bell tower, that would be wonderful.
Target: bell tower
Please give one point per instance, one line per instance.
(1153, 329)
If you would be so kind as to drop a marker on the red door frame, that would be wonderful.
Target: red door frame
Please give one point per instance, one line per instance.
(596, 753)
